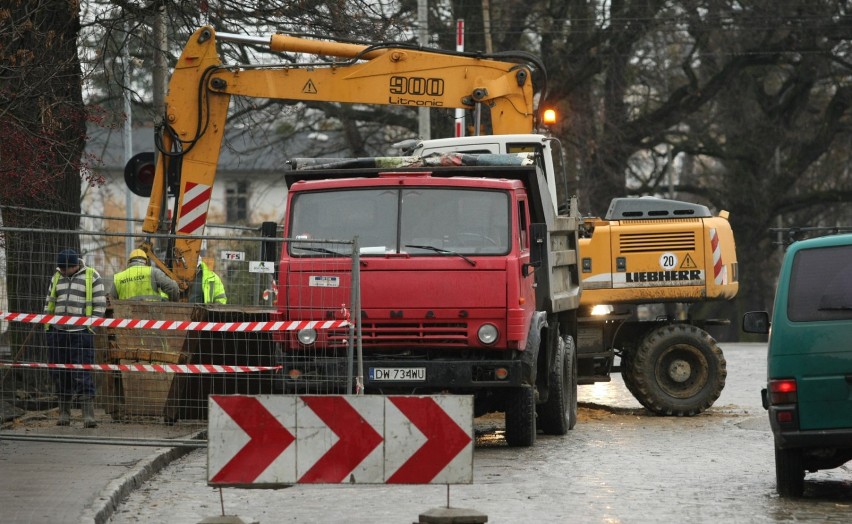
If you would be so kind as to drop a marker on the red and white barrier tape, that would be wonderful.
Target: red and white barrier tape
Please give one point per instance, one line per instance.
(186, 325)
(149, 368)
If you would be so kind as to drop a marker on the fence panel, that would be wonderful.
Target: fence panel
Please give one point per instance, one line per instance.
(318, 287)
(156, 362)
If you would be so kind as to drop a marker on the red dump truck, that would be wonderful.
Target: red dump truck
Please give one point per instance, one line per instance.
(468, 284)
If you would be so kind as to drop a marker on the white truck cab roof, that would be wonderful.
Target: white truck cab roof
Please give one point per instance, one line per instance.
(496, 144)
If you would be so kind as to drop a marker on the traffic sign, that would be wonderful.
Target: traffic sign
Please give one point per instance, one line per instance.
(276, 440)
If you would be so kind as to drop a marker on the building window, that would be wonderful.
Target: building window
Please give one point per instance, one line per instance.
(236, 199)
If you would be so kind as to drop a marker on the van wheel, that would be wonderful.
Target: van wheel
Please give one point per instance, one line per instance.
(559, 413)
(789, 472)
(677, 370)
(520, 417)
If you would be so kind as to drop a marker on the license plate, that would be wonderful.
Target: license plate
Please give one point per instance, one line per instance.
(392, 374)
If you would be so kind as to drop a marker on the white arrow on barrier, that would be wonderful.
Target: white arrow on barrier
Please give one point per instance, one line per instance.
(247, 444)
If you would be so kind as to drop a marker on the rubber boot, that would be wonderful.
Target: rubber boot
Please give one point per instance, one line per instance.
(89, 412)
(64, 413)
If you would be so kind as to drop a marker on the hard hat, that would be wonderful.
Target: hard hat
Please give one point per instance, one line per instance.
(67, 258)
(138, 253)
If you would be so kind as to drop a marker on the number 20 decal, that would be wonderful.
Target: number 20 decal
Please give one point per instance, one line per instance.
(668, 261)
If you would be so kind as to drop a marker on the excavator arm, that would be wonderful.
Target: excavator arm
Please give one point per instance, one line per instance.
(201, 87)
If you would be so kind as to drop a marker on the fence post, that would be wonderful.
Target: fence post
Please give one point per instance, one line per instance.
(268, 249)
(269, 252)
(356, 314)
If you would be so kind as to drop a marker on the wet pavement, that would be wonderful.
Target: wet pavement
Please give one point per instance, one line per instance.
(619, 465)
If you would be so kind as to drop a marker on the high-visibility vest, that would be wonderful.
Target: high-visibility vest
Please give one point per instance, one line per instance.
(51, 303)
(136, 283)
(214, 290)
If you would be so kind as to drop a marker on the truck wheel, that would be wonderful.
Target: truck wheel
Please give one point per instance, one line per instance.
(677, 370)
(520, 417)
(559, 413)
(789, 472)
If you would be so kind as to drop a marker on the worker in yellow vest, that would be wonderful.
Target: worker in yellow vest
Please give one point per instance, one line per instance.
(143, 282)
(75, 290)
(208, 287)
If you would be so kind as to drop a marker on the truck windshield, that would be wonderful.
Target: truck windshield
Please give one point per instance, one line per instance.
(440, 221)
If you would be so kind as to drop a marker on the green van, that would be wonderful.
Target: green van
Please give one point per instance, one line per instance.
(809, 360)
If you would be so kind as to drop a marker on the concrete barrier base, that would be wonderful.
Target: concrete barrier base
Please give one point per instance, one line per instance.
(229, 519)
(452, 516)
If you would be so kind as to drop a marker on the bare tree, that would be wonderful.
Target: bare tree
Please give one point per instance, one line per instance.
(753, 98)
(42, 124)
(124, 26)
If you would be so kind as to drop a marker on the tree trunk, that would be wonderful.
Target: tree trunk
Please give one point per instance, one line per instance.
(44, 134)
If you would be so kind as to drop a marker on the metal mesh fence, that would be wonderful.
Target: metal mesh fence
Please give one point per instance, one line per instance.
(157, 361)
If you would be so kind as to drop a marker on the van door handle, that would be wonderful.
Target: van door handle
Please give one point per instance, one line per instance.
(849, 379)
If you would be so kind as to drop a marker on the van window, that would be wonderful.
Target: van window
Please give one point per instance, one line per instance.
(821, 285)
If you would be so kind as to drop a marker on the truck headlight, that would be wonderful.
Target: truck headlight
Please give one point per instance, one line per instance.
(307, 336)
(487, 333)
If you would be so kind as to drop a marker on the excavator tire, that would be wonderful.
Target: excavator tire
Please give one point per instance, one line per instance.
(559, 413)
(520, 417)
(678, 370)
(627, 376)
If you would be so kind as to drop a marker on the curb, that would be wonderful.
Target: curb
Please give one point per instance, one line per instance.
(110, 498)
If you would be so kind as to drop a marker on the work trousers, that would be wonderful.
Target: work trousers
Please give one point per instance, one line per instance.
(72, 347)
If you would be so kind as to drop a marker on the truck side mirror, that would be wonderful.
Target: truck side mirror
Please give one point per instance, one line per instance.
(538, 238)
(756, 322)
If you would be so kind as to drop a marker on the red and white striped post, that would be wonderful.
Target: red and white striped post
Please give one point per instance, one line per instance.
(459, 47)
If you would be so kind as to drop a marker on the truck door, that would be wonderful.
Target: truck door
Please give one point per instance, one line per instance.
(527, 289)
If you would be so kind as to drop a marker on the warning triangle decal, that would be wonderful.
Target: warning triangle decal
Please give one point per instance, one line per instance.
(688, 263)
(310, 88)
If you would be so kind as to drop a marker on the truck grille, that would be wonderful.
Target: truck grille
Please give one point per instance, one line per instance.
(414, 334)
(663, 241)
